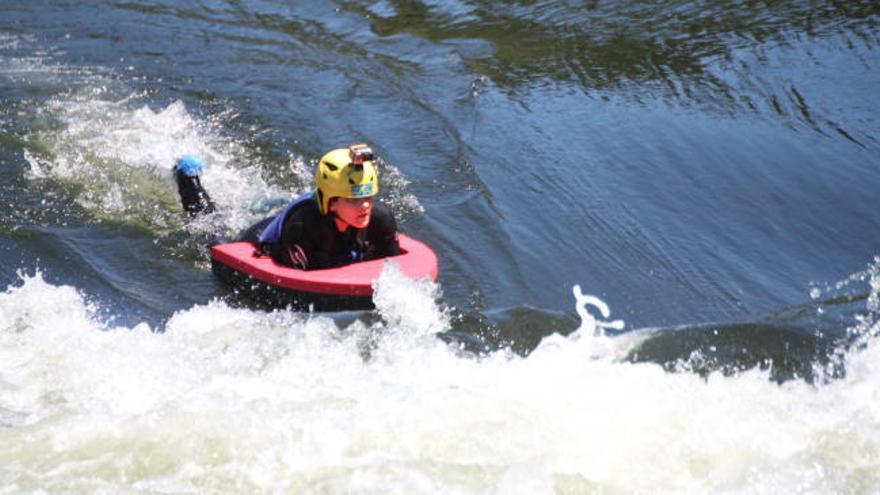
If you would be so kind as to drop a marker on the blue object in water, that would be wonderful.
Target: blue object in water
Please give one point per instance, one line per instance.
(265, 205)
(190, 165)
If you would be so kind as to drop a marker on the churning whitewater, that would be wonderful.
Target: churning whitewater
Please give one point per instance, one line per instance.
(240, 400)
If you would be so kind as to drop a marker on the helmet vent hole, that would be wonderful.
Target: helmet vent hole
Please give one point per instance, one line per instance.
(325, 175)
(350, 181)
(333, 168)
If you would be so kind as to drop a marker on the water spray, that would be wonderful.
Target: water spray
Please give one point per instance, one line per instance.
(589, 324)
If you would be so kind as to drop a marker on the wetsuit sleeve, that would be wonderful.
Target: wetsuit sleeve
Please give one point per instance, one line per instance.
(383, 233)
(291, 251)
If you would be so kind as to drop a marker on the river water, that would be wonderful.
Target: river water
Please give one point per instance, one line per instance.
(709, 169)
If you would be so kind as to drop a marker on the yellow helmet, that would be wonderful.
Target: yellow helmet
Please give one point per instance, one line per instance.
(346, 173)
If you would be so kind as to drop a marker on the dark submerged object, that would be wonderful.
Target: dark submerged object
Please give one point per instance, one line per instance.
(193, 196)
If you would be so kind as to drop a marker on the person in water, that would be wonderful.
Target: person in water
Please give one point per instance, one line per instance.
(337, 224)
(193, 196)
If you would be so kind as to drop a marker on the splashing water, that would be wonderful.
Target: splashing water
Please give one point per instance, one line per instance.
(238, 400)
(589, 324)
(862, 285)
(122, 155)
(112, 148)
(408, 305)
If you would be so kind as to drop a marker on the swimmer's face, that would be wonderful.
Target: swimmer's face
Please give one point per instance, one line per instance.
(353, 211)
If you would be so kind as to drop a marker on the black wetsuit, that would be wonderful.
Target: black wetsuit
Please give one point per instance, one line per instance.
(193, 196)
(310, 240)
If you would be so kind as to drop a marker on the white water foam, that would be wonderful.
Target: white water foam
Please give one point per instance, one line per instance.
(115, 146)
(234, 400)
(122, 152)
